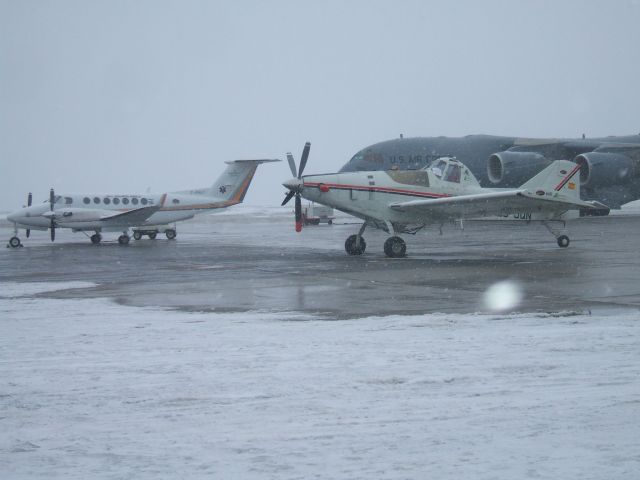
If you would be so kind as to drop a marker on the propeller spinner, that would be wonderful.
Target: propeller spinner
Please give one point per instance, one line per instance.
(295, 184)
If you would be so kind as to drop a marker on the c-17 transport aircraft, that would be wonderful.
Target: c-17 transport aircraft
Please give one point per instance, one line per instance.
(146, 214)
(405, 201)
(610, 170)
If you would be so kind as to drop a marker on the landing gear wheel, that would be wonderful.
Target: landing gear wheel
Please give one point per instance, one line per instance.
(170, 233)
(123, 239)
(563, 241)
(395, 247)
(137, 235)
(153, 235)
(96, 238)
(351, 245)
(14, 242)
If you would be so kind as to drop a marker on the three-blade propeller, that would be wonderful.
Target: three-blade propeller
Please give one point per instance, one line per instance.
(295, 190)
(52, 227)
(29, 202)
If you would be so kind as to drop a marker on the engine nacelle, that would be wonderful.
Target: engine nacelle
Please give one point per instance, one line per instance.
(512, 169)
(601, 168)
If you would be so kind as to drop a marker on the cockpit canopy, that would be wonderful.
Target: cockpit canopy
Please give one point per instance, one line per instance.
(450, 169)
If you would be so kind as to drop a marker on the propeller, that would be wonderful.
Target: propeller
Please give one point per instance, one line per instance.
(52, 198)
(29, 202)
(295, 186)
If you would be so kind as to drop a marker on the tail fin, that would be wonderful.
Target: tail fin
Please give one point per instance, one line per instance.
(559, 177)
(232, 185)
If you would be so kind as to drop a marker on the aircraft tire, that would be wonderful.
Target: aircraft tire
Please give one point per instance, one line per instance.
(170, 233)
(14, 242)
(96, 238)
(395, 247)
(350, 245)
(123, 239)
(153, 235)
(137, 235)
(563, 241)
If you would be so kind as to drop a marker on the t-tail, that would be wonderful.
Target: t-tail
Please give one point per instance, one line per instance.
(234, 182)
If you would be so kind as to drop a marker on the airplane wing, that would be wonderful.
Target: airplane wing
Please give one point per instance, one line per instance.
(132, 217)
(492, 203)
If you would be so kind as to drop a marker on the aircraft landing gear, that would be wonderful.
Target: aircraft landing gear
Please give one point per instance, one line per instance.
(96, 238)
(563, 240)
(395, 247)
(14, 242)
(170, 233)
(355, 244)
(123, 239)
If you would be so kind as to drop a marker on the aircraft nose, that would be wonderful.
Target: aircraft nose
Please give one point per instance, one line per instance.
(293, 183)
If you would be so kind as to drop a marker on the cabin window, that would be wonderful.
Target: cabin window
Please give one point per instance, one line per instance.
(68, 200)
(125, 201)
(410, 177)
(453, 173)
(175, 201)
(116, 201)
(143, 201)
(96, 200)
(134, 201)
(106, 200)
(86, 200)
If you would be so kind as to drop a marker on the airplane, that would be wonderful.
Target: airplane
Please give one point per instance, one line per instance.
(145, 214)
(610, 170)
(405, 201)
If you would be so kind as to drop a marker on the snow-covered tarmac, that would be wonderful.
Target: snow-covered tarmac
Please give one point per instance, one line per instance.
(94, 389)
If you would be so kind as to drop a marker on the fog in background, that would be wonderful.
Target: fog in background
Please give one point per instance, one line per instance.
(125, 96)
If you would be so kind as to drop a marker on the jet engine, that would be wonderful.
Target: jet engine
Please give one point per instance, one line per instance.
(605, 169)
(512, 169)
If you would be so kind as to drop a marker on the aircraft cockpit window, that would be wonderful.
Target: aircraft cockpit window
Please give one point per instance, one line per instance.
(438, 168)
(125, 201)
(410, 177)
(86, 200)
(143, 201)
(96, 200)
(175, 201)
(116, 201)
(453, 173)
(106, 200)
(68, 200)
(134, 201)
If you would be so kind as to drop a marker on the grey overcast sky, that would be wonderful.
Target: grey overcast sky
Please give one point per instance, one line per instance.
(125, 96)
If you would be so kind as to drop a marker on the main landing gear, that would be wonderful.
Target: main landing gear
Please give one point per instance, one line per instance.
(394, 247)
(14, 242)
(96, 238)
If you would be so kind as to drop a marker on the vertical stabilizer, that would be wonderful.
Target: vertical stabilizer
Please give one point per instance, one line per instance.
(561, 176)
(232, 185)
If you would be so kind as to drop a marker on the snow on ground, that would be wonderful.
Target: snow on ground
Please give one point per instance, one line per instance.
(92, 389)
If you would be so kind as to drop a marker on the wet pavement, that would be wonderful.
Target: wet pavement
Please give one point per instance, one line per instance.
(251, 259)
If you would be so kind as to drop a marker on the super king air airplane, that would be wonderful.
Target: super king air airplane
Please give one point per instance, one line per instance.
(145, 214)
(405, 201)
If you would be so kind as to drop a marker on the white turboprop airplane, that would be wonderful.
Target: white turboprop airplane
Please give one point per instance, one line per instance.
(145, 214)
(405, 201)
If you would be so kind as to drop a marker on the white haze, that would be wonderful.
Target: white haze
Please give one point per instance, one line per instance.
(126, 96)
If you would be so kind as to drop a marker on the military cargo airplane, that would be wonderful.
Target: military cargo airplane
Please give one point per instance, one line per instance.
(405, 201)
(610, 170)
(145, 214)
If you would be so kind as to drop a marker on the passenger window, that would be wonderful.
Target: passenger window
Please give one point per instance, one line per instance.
(116, 201)
(143, 201)
(106, 200)
(134, 201)
(125, 201)
(68, 200)
(96, 200)
(86, 200)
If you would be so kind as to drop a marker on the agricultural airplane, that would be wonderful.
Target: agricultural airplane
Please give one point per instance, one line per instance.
(610, 170)
(405, 201)
(145, 214)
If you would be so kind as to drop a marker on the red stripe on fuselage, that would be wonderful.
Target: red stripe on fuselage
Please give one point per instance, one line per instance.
(371, 188)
